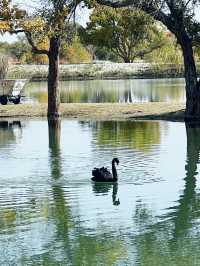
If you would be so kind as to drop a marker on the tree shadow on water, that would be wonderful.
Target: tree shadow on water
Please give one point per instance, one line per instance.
(188, 208)
(173, 238)
(54, 130)
(75, 245)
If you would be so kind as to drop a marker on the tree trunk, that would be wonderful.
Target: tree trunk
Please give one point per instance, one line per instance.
(126, 60)
(53, 79)
(192, 89)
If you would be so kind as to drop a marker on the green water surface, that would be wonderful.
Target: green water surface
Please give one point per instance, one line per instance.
(97, 91)
(52, 214)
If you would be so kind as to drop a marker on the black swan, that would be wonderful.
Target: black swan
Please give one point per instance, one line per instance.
(103, 175)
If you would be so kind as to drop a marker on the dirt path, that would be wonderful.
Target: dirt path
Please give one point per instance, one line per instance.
(100, 111)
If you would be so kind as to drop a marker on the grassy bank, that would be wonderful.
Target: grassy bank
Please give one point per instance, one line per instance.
(98, 71)
(160, 111)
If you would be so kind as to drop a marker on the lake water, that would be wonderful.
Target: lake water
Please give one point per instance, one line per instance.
(95, 91)
(52, 214)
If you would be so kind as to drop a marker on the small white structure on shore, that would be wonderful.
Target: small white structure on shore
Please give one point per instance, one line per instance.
(10, 90)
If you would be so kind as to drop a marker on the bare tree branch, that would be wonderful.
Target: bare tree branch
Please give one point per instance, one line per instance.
(147, 50)
(33, 45)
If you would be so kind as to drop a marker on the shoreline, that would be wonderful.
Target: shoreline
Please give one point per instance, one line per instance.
(100, 111)
(106, 70)
(99, 70)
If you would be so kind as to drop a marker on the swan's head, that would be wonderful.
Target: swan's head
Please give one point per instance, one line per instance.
(116, 160)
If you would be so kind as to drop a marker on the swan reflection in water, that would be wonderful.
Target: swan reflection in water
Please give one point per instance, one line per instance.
(104, 188)
(104, 175)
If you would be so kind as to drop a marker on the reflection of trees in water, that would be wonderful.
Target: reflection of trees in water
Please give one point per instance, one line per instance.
(136, 135)
(174, 240)
(127, 96)
(188, 208)
(54, 129)
(112, 91)
(40, 96)
(75, 245)
(61, 210)
(89, 95)
(107, 95)
(163, 92)
(10, 132)
(69, 243)
(79, 96)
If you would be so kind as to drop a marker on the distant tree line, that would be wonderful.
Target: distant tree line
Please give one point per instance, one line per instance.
(132, 35)
(21, 53)
(126, 34)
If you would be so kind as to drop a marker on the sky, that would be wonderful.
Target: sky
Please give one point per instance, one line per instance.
(82, 16)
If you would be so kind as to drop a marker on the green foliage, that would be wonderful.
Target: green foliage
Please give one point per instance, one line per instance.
(75, 52)
(126, 32)
(10, 15)
(197, 53)
(50, 22)
(20, 51)
(170, 53)
(129, 134)
(103, 53)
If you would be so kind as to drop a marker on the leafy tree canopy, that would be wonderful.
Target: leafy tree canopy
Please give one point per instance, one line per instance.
(44, 31)
(175, 14)
(126, 32)
(51, 20)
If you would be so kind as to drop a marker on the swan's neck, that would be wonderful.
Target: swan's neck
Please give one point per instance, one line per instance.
(114, 171)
